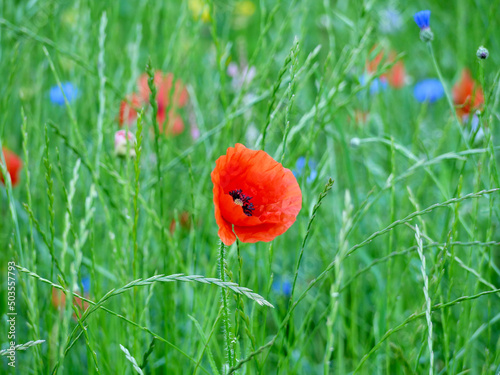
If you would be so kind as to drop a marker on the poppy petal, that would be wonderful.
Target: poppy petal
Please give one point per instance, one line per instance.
(128, 109)
(14, 165)
(163, 82)
(467, 95)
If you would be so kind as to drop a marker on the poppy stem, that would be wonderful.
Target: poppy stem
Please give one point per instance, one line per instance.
(240, 262)
(240, 307)
(225, 310)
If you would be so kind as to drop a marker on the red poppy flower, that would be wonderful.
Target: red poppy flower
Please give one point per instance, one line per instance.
(163, 83)
(128, 109)
(254, 194)
(372, 65)
(175, 124)
(360, 117)
(59, 301)
(467, 95)
(184, 220)
(14, 165)
(395, 76)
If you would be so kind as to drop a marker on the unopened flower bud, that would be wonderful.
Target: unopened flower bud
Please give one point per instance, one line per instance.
(125, 141)
(482, 53)
(355, 142)
(426, 35)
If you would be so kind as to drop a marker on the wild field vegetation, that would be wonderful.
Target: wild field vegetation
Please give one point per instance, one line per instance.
(391, 129)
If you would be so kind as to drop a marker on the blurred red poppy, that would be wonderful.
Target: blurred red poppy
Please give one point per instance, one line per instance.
(168, 119)
(59, 301)
(395, 76)
(129, 108)
(372, 65)
(163, 83)
(360, 117)
(184, 220)
(467, 94)
(14, 165)
(254, 195)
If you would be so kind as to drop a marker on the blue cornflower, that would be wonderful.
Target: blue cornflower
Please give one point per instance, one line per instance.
(423, 19)
(428, 90)
(86, 284)
(376, 85)
(300, 166)
(475, 127)
(286, 287)
(282, 287)
(314, 173)
(390, 21)
(57, 97)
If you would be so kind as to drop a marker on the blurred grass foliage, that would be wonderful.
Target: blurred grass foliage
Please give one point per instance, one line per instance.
(358, 303)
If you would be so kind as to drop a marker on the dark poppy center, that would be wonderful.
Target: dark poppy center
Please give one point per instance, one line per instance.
(242, 200)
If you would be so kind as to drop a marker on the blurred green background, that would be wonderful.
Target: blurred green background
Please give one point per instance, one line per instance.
(311, 86)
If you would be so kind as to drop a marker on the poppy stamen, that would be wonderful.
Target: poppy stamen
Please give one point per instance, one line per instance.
(242, 200)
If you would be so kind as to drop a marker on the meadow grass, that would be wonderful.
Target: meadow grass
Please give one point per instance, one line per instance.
(393, 263)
